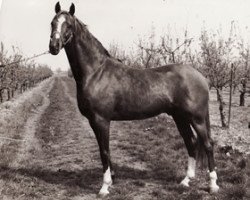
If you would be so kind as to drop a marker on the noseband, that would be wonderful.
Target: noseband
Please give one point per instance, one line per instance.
(61, 38)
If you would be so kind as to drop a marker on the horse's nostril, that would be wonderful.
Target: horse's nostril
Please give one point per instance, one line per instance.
(54, 51)
(54, 47)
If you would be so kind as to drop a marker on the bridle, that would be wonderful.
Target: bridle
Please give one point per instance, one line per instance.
(64, 43)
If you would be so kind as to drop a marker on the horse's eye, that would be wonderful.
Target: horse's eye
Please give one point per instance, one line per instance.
(69, 26)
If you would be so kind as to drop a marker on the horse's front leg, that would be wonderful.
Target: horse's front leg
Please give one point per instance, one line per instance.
(101, 127)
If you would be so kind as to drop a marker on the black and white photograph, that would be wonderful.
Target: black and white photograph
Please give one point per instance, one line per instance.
(125, 100)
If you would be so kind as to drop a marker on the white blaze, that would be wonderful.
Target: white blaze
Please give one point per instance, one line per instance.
(57, 36)
(61, 20)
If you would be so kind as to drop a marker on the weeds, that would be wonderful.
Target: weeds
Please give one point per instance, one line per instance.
(236, 192)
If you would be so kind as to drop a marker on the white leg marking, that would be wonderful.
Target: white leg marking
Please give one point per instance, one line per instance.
(191, 167)
(213, 185)
(190, 172)
(107, 181)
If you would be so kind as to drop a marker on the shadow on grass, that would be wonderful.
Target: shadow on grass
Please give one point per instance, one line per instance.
(88, 180)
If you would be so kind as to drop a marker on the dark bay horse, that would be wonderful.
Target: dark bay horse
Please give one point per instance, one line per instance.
(108, 90)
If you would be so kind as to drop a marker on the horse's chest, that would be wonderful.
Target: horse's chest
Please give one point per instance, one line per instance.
(83, 104)
(90, 103)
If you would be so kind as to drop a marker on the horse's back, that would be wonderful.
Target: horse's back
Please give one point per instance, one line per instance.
(184, 70)
(170, 88)
(128, 93)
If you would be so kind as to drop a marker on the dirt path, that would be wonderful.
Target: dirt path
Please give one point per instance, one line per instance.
(29, 130)
(60, 158)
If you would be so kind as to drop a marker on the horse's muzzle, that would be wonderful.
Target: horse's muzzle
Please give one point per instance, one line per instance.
(55, 46)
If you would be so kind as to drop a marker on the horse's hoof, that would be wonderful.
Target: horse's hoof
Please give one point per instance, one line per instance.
(185, 182)
(102, 194)
(214, 189)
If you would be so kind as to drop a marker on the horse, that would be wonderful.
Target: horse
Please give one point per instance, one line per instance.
(108, 90)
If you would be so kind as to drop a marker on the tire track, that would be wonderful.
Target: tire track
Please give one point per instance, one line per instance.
(29, 141)
(67, 164)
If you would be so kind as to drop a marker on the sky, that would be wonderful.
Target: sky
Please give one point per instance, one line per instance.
(26, 24)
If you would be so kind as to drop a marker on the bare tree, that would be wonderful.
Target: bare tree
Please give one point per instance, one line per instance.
(167, 51)
(148, 52)
(217, 55)
(175, 50)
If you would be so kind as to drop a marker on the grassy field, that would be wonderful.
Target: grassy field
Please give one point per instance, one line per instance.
(55, 154)
(238, 136)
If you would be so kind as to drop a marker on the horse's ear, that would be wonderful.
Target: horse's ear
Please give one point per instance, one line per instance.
(57, 7)
(72, 9)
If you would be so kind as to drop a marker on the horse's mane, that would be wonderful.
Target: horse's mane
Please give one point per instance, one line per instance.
(83, 30)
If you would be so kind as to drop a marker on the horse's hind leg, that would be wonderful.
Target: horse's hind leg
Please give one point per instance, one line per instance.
(189, 139)
(101, 127)
(203, 132)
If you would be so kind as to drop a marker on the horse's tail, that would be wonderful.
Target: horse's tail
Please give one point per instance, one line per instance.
(201, 154)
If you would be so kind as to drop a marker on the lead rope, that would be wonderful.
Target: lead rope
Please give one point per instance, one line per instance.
(25, 59)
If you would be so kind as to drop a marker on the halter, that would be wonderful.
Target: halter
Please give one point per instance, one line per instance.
(61, 38)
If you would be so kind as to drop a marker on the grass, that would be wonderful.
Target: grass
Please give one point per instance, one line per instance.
(157, 142)
(167, 163)
(13, 117)
(238, 136)
(149, 157)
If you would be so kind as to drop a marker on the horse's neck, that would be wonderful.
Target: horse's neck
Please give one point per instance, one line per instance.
(84, 57)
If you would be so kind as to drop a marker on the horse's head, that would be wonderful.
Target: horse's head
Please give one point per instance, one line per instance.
(62, 28)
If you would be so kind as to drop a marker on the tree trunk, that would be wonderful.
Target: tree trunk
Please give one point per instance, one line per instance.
(1, 96)
(230, 96)
(218, 96)
(12, 93)
(8, 94)
(242, 94)
(173, 57)
(242, 99)
(221, 107)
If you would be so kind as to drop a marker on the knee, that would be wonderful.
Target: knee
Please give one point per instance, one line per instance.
(194, 140)
(209, 147)
(211, 141)
(106, 153)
